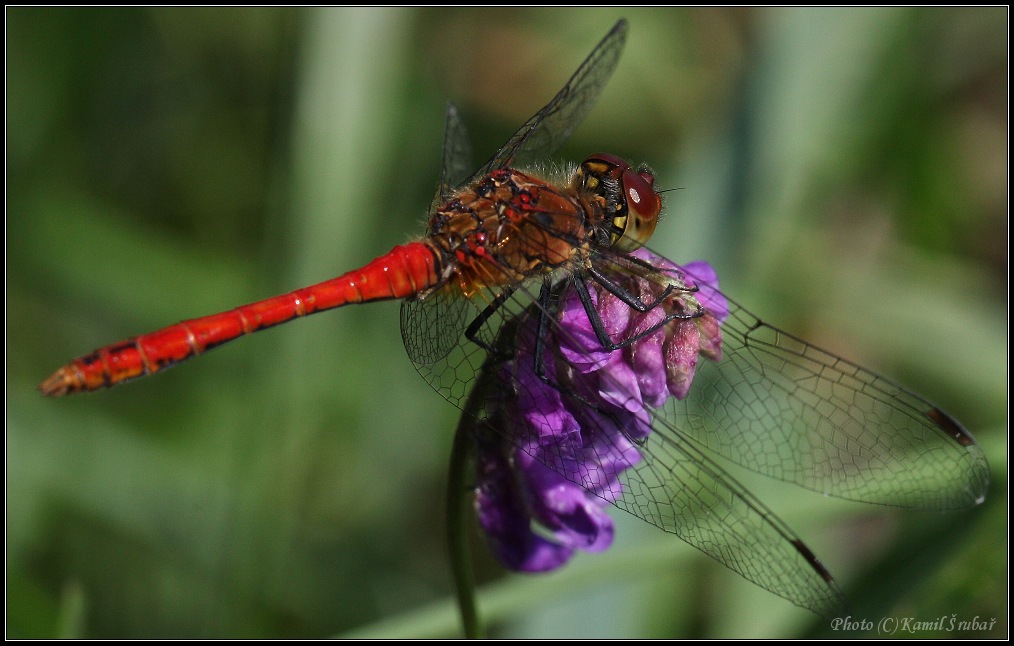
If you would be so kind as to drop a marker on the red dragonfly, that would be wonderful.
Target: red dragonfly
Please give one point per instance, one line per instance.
(508, 254)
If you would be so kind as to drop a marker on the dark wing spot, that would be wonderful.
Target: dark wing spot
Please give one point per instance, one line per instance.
(950, 426)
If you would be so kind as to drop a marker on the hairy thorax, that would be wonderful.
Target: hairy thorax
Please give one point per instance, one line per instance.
(508, 226)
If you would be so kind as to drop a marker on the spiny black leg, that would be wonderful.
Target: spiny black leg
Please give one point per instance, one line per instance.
(542, 331)
(546, 310)
(472, 331)
(625, 295)
(599, 327)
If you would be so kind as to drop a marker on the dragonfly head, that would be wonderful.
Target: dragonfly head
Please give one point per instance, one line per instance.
(632, 205)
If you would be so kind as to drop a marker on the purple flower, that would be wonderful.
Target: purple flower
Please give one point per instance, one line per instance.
(585, 423)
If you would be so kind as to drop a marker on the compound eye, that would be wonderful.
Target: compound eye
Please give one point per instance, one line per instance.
(632, 203)
(638, 189)
(641, 206)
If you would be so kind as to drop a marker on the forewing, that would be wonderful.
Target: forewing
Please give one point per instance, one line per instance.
(457, 157)
(548, 128)
(780, 406)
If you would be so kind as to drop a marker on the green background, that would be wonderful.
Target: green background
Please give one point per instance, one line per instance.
(844, 170)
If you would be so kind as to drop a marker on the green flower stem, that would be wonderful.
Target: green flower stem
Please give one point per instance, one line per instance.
(457, 540)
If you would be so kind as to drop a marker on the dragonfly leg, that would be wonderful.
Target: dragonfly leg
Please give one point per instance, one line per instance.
(624, 295)
(472, 331)
(541, 332)
(596, 321)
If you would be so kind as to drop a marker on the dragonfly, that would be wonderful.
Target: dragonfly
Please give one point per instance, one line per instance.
(511, 256)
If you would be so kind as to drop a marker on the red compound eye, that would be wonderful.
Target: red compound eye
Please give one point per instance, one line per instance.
(636, 202)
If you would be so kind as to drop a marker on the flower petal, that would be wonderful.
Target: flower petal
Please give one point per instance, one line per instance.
(681, 350)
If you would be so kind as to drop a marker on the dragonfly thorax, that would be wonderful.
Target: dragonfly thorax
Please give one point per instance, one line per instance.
(508, 226)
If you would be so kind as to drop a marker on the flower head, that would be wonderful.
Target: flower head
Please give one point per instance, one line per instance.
(577, 416)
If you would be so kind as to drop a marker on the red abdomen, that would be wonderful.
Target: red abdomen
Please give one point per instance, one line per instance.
(404, 271)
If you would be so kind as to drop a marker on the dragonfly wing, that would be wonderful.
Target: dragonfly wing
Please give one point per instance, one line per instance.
(681, 490)
(787, 409)
(780, 406)
(548, 128)
(457, 158)
(433, 330)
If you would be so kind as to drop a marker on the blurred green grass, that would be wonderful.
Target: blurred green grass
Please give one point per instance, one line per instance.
(845, 170)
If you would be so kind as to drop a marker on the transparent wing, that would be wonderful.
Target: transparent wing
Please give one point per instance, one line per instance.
(548, 128)
(780, 406)
(787, 409)
(457, 157)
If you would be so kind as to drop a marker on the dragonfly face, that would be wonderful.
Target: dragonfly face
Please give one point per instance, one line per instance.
(631, 204)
